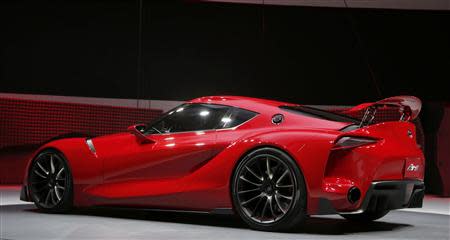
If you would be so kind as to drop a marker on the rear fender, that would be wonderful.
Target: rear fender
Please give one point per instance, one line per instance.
(309, 148)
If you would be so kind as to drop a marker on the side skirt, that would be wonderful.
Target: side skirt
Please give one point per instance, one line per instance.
(216, 211)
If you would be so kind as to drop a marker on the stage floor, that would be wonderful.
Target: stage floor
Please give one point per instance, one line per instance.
(20, 220)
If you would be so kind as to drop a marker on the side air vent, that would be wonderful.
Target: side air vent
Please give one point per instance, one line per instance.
(91, 147)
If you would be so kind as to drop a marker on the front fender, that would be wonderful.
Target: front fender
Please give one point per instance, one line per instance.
(85, 167)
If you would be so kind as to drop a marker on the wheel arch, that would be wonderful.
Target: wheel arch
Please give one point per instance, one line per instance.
(309, 148)
(47, 148)
(37, 153)
(258, 147)
(77, 156)
(33, 157)
(67, 200)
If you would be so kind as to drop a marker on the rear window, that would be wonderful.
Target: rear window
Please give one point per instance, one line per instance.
(236, 117)
(319, 113)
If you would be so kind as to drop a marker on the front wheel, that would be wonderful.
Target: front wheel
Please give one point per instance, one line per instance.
(50, 182)
(366, 216)
(268, 191)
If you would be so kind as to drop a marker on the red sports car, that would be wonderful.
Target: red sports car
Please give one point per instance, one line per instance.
(272, 163)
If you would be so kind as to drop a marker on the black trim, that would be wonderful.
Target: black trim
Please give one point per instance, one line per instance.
(24, 194)
(222, 211)
(68, 135)
(319, 113)
(385, 195)
(390, 195)
(215, 211)
(325, 207)
(416, 200)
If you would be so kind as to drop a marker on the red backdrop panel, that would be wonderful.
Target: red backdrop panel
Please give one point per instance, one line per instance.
(25, 124)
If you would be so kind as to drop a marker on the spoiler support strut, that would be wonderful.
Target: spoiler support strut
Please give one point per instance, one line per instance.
(409, 107)
(368, 117)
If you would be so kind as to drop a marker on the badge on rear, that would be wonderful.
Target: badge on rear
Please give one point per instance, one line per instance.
(412, 168)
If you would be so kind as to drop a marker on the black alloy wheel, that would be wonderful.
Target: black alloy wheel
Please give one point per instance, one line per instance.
(50, 182)
(268, 190)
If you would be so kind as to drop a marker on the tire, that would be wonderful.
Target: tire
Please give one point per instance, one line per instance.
(269, 196)
(50, 182)
(367, 216)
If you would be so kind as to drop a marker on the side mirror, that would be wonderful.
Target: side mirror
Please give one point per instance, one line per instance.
(138, 130)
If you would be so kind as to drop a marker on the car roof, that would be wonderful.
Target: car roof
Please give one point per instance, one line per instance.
(249, 103)
(268, 108)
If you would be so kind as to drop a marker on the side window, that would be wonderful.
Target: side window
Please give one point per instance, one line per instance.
(236, 117)
(190, 117)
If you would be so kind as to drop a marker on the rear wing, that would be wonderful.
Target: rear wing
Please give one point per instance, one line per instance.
(408, 106)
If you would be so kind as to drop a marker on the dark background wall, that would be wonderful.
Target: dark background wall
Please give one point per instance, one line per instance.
(190, 49)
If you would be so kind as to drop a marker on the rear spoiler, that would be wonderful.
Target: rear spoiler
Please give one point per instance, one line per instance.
(409, 108)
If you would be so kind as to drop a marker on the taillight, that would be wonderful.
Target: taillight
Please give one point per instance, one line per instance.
(347, 142)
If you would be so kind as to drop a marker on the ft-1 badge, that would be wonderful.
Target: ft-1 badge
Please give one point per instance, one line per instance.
(413, 168)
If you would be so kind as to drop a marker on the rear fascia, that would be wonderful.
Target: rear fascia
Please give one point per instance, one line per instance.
(385, 160)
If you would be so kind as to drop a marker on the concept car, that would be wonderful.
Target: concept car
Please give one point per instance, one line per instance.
(272, 163)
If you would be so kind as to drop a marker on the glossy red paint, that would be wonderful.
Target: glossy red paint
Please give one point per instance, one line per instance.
(192, 170)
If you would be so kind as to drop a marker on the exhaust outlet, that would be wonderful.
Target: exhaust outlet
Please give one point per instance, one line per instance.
(353, 195)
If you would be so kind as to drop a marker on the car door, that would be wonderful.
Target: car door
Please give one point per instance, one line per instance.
(179, 142)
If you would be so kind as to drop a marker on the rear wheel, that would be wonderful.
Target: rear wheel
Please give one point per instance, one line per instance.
(366, 216)
(50, 182)
(268, 191)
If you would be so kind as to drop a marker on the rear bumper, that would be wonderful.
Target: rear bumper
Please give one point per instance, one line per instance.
(390, 195)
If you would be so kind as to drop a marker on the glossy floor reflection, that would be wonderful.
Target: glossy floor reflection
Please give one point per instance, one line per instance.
(23, 221)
